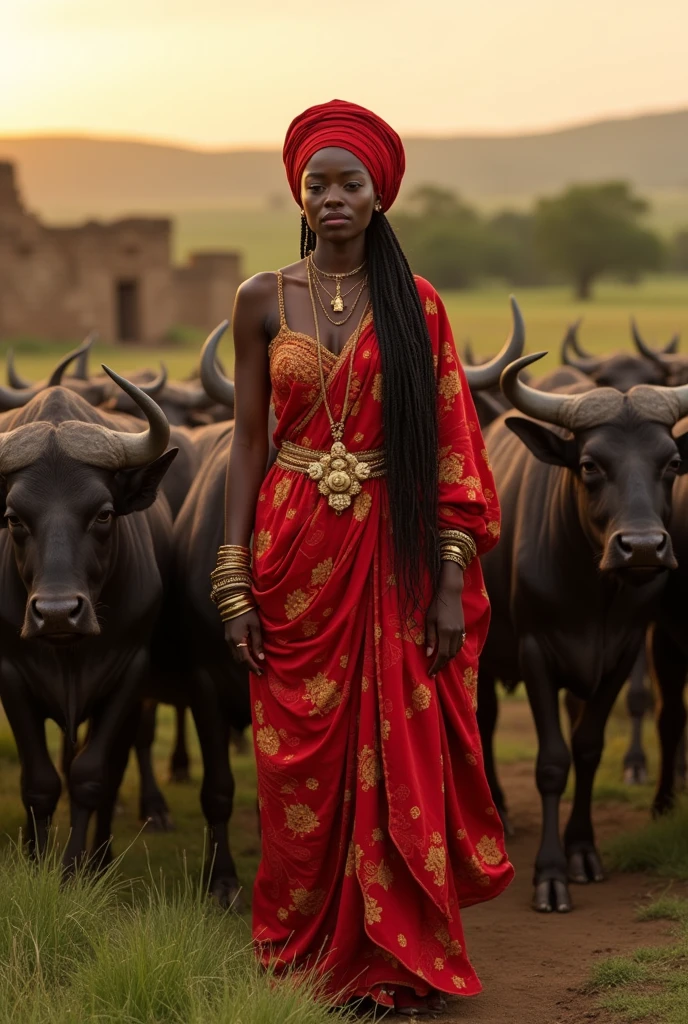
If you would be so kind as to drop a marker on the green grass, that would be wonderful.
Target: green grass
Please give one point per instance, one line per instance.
(660, 847)
(166, 955)
(652, 983)
(659, 303)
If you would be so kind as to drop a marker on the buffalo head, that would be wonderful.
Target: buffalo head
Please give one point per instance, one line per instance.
(622, 458)
(67, 475)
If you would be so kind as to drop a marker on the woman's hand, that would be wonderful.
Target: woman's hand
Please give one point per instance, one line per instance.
(444, 623)
(245, 640)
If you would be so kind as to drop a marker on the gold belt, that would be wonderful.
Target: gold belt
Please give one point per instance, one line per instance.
(338, 472)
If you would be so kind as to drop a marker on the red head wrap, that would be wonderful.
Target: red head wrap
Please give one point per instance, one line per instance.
(347, 126)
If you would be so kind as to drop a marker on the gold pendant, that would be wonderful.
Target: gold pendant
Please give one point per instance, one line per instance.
(337, 302)
(339, 476)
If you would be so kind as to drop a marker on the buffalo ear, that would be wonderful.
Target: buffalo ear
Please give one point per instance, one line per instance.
(544, 443)
(682, 445)
(136, 489)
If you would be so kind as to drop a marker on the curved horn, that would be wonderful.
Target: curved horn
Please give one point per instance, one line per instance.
(81, 367)
(487, 375)
(141, 449)
(215, 384)
(468, 358)
(57, 374)
(540, 405)
(154, 387)
(575, 343)
(13, 378)
(671, 347)
(661, 357)
(584, 363)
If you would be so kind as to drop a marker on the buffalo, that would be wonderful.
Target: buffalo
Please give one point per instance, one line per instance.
(575, 581)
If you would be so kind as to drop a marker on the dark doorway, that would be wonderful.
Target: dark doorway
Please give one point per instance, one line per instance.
(127, 299)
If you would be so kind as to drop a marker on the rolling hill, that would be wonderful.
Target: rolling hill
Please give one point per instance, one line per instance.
(75, 177)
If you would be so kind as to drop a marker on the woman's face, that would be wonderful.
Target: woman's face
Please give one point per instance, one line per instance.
(337, 194)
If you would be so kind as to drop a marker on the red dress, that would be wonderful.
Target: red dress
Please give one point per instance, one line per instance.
(377, 820)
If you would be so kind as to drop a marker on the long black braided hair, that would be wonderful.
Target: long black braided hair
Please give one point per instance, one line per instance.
(409, 403)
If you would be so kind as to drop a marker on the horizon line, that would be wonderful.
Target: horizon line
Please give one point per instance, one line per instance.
(71, 135)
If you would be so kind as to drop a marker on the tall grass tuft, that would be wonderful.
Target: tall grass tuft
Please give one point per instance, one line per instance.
(91, 949)
(660, 847)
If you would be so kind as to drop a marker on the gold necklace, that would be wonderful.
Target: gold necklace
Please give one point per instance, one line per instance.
(339, 323)
(337, 302)
(339, 473)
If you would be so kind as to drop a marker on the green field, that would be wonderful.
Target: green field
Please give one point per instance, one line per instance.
(660, 305)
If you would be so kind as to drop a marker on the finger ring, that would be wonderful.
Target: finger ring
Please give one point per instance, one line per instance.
(244, 644)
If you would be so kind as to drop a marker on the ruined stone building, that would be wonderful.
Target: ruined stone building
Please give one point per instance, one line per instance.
(116, 278)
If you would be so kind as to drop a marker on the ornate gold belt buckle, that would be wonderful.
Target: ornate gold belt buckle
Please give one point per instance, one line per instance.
(339, 475)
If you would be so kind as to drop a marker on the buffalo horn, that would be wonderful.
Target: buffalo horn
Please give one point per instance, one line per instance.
(13, 378)
(662, 356)
(141, 449)
(215, 384)
(55, 377)
(579, 360)
(81, 367)
(155, 386)
(480, 378)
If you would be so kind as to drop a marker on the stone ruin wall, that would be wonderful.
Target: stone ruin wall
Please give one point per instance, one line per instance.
(116, 278)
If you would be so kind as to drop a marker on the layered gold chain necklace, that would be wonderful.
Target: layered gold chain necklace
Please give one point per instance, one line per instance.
(339, 473)
(337, 300)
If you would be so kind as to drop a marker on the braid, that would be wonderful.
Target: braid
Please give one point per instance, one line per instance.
(409, 407)
(308, 238)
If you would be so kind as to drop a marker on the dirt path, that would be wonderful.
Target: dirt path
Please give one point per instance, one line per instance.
(533, 966)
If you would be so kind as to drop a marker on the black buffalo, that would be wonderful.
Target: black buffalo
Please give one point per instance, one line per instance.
(83, 561)
(575, 581)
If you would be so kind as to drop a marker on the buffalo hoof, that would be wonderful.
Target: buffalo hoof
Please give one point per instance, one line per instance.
(159, 820)
(663, 803)
(585, 866)
(551, 895)
(227, 892)
(635, 775)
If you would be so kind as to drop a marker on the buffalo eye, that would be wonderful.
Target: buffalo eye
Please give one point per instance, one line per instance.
(674, 465)
(14, 522)
(104, 517)
(589, 469)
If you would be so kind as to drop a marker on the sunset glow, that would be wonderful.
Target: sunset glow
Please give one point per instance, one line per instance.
(222, 73)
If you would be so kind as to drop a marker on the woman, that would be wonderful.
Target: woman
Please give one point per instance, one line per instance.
(362, 615)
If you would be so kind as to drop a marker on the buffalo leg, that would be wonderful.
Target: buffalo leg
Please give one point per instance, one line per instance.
(180, 761)
(638, 702)
(101, 852)
(587, 743)
(40, 781)
(217, 790)
(88, 772)
(487, 715)
(552, 769)
(153, 807)
(668, 664)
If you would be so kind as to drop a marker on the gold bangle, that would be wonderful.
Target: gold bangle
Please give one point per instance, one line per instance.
(460, 536)
(459, 559)
(227, 616)
(232, 608)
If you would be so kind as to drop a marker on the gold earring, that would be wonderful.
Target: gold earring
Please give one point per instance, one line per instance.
(378, 206)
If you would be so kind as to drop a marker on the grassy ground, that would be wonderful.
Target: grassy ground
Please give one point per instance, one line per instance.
(652, 984)
(660, 305)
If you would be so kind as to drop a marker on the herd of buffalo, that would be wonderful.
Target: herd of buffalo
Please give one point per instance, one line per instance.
(113, 495)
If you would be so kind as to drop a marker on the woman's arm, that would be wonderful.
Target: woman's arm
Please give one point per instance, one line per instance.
(249, 449)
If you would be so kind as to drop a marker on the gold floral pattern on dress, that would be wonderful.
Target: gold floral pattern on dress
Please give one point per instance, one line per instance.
(344, 661)
(408, 712)
(321, 573)
(309, 628)
(378, 835)
(301, 819)
(312, 784)
(296, 604)
(489, 851)
(263, 542)
(365, 683)
(308, 903)
(421, 697)
(415, 812)
(439, 963)
(452, 947)
(267, 740)
(291, 513)
(369, 772)
(281, 492)
(449, 386)
(362, 504)
(327, 613)
(436, 863)
(486, 457)
(376, 389)
(358, 437)
(430, 306)
(476, 871)
(450, 466)
(461, 833)
(283, 913)
(350, 865)
(385, 728)
(258, 711)
(323, 693)
(493, 528)
(470, 681)
(471, 759)
(458, 982)
(377, 874)
(373, 910)
(378, 631)
(401, 939)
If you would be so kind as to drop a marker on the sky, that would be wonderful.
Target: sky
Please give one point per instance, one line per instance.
(222, 73)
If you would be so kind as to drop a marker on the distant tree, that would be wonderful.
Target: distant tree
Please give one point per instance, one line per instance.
(591, 230)
(444, 238)
(512, 254)
(678, 253)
